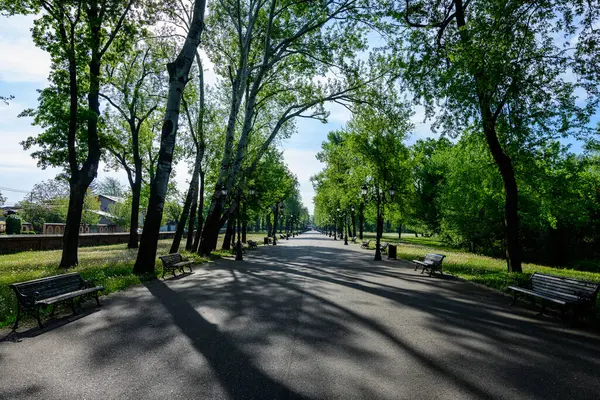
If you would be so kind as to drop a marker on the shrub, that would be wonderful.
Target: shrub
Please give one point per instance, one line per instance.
(13, 225)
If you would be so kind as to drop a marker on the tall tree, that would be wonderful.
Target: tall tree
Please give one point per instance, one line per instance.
(77, 34)
(133, 89)
(270, 52)
(178, 78)
(498, 66)
(195, 119)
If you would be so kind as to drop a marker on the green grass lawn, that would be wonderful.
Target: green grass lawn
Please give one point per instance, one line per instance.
(109, 266)
(485, 270)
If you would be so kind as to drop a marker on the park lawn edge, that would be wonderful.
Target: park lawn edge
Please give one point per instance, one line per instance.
(114, 276)
(483, 270)
(109, 265)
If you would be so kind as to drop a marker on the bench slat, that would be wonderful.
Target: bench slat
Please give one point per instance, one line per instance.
(66, 296)
(540, 295)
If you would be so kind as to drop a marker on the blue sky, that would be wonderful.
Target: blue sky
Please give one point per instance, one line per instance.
(24, 69)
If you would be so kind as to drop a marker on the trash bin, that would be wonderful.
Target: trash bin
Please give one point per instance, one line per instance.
(392, 252)
(266, 241)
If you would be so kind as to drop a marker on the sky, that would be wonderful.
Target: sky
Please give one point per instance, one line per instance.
(24, 69)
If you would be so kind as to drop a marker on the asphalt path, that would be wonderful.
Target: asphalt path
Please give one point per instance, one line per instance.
(309, 318)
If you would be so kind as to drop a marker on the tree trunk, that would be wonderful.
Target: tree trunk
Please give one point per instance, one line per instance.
(503, 161)
(135, 212)
(210, 231)
(81, 179)
(178, 78)
(235, 222)
(511, 208)
(71, 235)
(187, 205)
(200, 214)
(244, 230)
(228, 234)
(192, 222)
(379, 232)
(275, 218)
(400, 231)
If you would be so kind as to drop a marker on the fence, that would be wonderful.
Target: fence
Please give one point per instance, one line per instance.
(18, 243)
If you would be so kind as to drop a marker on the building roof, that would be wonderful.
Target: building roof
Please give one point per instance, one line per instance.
(114, 199)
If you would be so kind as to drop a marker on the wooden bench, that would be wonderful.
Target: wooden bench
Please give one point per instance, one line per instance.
(41, 293)
(431, 262)
(570, 294)
(174, 261)
(252, 244)
(365, 244)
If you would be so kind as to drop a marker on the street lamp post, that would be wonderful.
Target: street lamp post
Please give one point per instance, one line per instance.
(380, 197)
(238, 247)
(346, 224)
(353, 222)
(333, 221)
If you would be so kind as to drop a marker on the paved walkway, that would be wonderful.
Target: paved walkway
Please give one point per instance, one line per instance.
(307, 319)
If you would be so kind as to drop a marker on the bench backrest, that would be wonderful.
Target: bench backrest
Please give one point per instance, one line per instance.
(171, 259)
(49, 287)
(572, 287)
(434, 258)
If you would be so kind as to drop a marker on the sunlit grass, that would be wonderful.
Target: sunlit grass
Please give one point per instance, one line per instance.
(488, 271)
(109, 266)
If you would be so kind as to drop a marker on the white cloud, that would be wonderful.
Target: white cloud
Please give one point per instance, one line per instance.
(20, 60)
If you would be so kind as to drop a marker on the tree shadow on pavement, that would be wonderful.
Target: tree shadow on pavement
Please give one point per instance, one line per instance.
(312, 320)
(483, 332)
(235, 370)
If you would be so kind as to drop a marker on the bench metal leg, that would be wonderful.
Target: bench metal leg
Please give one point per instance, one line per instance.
(542, 308)
(16, 325)
(97, 300)
(72, 304)
(37, 316)
(514, 298)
